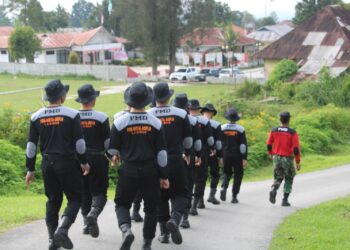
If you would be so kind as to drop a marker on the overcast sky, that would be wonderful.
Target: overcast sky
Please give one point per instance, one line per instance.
(283, 8)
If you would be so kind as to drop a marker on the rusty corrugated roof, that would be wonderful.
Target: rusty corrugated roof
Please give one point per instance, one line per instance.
(323, 40)
(5, 33)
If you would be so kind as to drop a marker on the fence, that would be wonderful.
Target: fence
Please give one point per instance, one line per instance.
(104, 72)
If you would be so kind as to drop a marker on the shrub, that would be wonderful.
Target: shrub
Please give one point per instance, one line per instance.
(14, 126)
(249, 90)
(283, 71)
(116, 62)
(73, 57)
(140, 61)
(12, 169)
(129, 62)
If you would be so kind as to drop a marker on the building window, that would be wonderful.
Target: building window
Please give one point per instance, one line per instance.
(62, 56)
(4, 52)
(50, 52)
(108, 55)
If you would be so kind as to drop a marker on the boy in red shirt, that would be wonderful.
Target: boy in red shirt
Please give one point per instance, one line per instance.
(283, 146)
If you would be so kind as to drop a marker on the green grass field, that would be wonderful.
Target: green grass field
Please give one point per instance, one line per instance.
(322, 227)
(30, 101)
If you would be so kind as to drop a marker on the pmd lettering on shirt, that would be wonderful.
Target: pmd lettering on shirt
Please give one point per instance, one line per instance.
(52, 111)
(162, 111)
(138, 118)
(283, 129)
(86, 113)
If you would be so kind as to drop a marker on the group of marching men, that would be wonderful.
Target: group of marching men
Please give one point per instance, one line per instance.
(164, 155)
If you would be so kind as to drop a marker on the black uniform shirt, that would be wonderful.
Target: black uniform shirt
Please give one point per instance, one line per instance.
(178, 133)
(60, 134)
(216, 126)
(234, 140)
(139, 139)
(96, 130)
(196, 135)
(117, 115)
(206, 132)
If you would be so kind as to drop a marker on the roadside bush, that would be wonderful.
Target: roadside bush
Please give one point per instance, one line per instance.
(325, 91)
(13, 170)
(116, 62)
(283, 71)
(140, 61)
(14, 126)
(73, 57)
(129, 62)
(249, 90)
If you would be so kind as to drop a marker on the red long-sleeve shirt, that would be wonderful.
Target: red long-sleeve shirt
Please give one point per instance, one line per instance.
(284, 141)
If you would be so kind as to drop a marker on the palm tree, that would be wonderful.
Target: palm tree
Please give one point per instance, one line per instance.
(229, 38)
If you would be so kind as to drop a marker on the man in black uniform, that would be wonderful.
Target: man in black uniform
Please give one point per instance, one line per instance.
(138, 139)
(96, 133)
(235, 152)
(181, 101)
(208, 149)
(61, 143)
(178, 136)
(135, 215)
(209, 112)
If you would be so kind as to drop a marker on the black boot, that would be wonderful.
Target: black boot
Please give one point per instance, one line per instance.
(92, 221)
(135, 216)
(61, 234)
(201, 204)
(223, 194)
(234, 199)
(85, 227)
(185, 223)
(212, 198)
(273, 194)
(147, 243)
(285, 202)
(173, 227)
(164, 233)
(193, 210)
(128, 237)
(53, 245)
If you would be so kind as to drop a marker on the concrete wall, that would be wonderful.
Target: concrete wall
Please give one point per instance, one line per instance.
(107, 73)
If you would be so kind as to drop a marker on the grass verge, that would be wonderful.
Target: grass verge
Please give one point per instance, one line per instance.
(309, 163)
(325, 226)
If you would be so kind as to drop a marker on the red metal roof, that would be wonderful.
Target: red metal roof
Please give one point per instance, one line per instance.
(84, 37)
(5, 33)
(213, 37)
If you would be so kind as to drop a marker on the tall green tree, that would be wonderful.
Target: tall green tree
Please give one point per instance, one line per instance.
(81, 12)
(307, 8)
(4, 20)
(142, 23)
(59, 18)
(24, 43)
(28, 12)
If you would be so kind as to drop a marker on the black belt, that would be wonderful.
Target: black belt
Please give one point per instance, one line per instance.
(95, 152)
(58, 157)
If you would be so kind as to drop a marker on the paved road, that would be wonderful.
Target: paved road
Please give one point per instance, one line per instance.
(248, 225)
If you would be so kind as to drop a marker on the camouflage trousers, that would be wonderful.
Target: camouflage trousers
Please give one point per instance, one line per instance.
(284, 169)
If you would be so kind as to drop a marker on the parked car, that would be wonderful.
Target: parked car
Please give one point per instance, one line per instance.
(204, 73)
(184, 74)
(231, 72)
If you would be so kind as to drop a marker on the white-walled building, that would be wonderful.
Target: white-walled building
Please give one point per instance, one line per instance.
(5, 33)
(96, 46)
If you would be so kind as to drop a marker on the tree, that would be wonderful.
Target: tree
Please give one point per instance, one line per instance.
(269, 20)
(28, 12)
(81, 12)
(307, 8)
(73, 57)
(199, 14)
(23, 44)
(147, 30)
(56, 19)
(4, 20)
